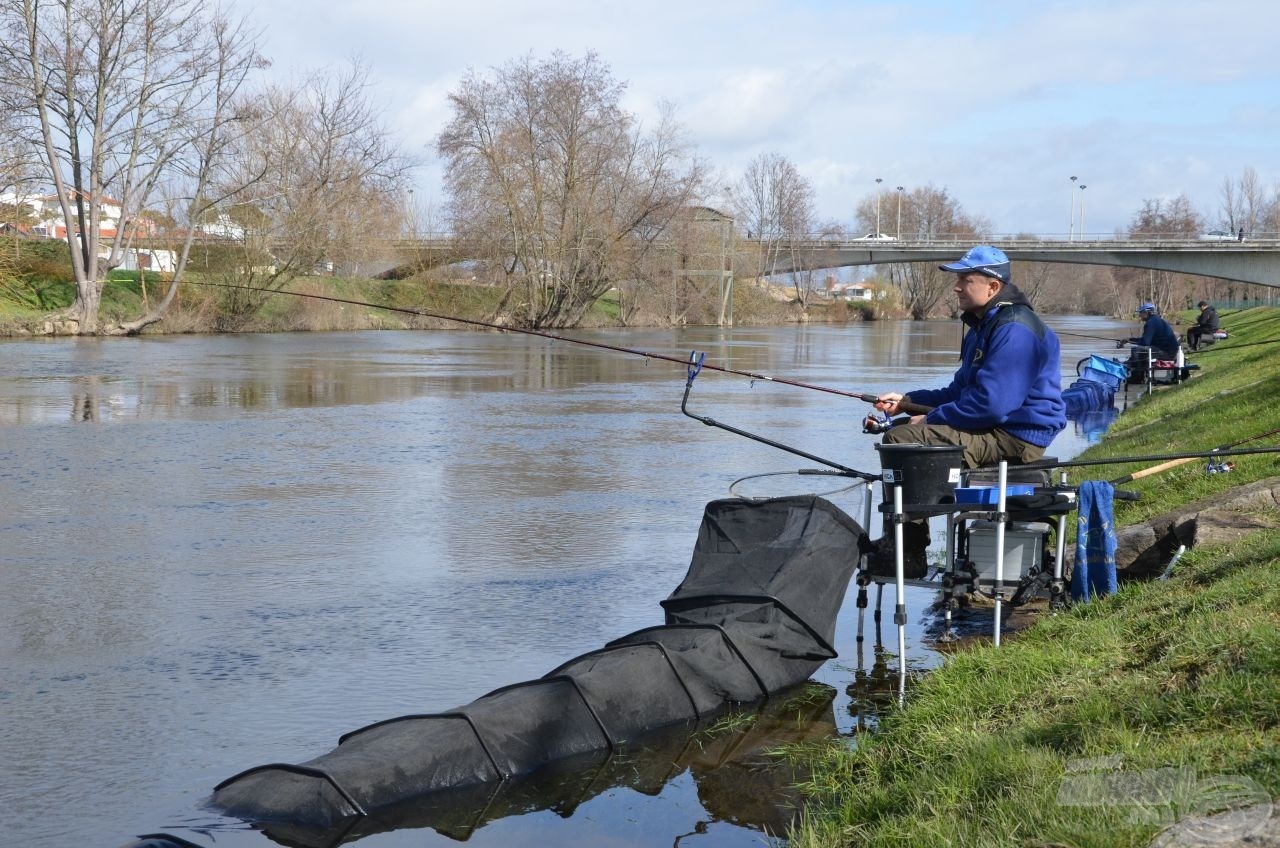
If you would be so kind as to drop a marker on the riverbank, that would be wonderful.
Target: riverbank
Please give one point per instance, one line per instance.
(315, 304)
(1103, 725)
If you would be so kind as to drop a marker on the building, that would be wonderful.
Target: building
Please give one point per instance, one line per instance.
(861, 292)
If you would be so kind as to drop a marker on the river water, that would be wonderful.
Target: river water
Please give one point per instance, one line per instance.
(224, 551)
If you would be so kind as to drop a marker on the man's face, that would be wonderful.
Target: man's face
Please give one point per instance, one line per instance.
(974, 291)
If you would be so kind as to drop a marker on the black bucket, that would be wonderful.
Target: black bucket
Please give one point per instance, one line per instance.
(928, 474)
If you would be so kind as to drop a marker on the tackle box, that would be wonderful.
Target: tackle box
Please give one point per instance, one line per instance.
(1023, 550)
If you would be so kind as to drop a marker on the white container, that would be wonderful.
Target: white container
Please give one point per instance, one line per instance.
(1023, 550)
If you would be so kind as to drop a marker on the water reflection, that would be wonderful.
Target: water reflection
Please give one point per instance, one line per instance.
(1091, 426)
(732, 761)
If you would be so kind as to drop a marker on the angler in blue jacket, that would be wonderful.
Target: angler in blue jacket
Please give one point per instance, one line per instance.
(1157, 334)
(1005, 401)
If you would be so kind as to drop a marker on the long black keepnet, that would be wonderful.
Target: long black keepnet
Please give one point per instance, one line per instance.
(755, 614)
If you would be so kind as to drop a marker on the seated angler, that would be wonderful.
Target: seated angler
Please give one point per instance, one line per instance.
(1005, 401)
(1207, 323)
(1157, 334)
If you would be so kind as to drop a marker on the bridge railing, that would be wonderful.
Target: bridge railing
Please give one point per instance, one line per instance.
(1086, 241)
(1058, 241)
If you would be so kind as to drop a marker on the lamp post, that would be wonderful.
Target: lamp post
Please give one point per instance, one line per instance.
(1071, 222)
(1082, 188)
(899, 213)
(878, 181)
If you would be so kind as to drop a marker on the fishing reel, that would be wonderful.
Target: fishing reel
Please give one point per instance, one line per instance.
(879, 422)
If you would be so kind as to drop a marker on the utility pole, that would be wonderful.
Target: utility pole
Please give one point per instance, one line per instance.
(899, 236)
(1071, 221)
(878, 181)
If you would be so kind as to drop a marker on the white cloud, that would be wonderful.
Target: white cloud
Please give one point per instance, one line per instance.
(997, 101)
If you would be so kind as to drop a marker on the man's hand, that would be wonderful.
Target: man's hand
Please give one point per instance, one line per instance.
(888, 402)
(1121, 343)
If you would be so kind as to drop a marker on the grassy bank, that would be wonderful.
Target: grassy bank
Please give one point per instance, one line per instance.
(1182, 674)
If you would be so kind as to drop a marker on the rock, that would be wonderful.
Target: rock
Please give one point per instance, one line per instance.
(1143, 550)
(1218, 527)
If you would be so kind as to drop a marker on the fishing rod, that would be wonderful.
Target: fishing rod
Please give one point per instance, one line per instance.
(1173, 463)
(1120, 460)
(905, 406)
(695, 366)
(1231, 347)
(1111, 339)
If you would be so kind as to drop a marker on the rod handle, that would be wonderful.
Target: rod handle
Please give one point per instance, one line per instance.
(904, 405)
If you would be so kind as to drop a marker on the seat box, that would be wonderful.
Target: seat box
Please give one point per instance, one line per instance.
(1023, 549)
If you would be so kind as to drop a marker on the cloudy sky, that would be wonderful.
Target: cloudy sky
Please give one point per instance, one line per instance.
(998, 102)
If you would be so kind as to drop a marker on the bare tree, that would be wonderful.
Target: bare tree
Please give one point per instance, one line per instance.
(20, 174)
(112, 91)
(775, 204)
(1156, 218)
(927, 213)
(314, 183)
(1160, 218)
(1242, 202)
(558, 189)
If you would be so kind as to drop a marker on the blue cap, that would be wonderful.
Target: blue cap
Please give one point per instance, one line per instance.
(983, 259)
(1147, 307)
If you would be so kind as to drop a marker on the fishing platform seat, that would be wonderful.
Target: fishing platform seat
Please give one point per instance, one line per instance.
(1207, 339)
(1166, 372)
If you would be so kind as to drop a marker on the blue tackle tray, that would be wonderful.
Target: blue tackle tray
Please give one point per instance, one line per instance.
(991, 494)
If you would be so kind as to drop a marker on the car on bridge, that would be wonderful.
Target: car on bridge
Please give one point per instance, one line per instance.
(876, 237)
(1218, 235)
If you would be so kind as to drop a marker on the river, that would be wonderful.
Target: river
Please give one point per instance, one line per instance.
(222, 551)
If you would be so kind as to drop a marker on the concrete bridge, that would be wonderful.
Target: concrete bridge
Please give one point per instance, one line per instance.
(1248, 261)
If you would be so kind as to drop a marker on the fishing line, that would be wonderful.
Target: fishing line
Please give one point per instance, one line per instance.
(863, 396)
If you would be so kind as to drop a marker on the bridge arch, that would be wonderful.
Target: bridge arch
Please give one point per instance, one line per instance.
(1251, 261)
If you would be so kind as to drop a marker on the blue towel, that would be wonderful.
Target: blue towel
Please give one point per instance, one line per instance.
(1095, 571)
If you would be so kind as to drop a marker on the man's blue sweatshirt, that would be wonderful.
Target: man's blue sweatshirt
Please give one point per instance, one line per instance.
(1157, 333)
(1008, 376)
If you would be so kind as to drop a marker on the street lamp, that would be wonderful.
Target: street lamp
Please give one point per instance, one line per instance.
(1082, 188)
(1071, 222)
(878, 181)
(899, 213)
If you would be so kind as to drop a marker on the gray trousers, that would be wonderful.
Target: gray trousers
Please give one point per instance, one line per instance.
(982, 448)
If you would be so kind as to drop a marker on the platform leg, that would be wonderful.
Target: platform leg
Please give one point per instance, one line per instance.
(949, 582)
(1002, 518)
(1058, 586)
(900, 610)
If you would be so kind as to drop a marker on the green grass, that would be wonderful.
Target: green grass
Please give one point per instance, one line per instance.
(1231, 400)
(1177, 674)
